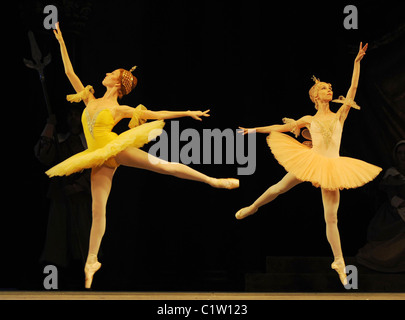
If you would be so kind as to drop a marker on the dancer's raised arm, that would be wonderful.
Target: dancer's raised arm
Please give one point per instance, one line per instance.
(344, 110)
(287, 127)
(73, 78)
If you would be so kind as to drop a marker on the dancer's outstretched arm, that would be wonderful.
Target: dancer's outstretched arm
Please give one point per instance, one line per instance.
(344, 110)
(127, 112)
(162, 115)
(278, 127)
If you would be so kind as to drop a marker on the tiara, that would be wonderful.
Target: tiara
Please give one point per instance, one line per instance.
(315, 79)
(127, 80)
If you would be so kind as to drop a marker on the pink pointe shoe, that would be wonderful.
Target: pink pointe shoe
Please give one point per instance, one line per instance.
(339, 266)
(89, 271)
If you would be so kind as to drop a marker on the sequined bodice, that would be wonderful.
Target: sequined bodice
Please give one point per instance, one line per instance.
(326, 136)
(98, 128)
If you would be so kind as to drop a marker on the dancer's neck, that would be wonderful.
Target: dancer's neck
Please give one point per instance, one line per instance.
(323, 108)
(111, 94)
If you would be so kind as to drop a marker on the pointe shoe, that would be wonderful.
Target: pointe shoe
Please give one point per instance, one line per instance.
(245, 212)
(229, 183)
(89, 271)
(339, 266)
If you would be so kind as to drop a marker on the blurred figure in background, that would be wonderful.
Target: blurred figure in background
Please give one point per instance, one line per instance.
(385, 249)
(69, 219)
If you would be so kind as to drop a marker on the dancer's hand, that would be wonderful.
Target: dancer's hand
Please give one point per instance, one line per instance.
(246, 130)
(362, 52)
(197, 114)
(58, 33)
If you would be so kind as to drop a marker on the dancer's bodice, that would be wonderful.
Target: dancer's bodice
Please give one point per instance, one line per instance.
(326, 135)
(98, 128)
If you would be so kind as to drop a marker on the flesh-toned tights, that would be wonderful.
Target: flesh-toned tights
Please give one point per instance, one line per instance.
(101, 181)
(330, 200)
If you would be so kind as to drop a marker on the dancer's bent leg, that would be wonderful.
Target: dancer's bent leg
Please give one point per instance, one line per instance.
(137, 158)
(331, 200)
(288, 182)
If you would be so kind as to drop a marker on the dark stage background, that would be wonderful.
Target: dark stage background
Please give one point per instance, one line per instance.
(249, 62)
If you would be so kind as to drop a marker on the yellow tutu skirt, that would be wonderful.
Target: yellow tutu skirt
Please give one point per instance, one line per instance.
(135, 137)
(328, 173)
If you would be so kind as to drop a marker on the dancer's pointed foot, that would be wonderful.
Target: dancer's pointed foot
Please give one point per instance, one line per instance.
(89, 270)
(245, 212)
(229, 183)
(339, 266)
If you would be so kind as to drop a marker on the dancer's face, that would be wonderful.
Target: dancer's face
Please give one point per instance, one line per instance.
(111, 79)
(325, 92)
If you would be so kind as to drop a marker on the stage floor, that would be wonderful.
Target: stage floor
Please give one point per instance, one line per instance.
(80, 295)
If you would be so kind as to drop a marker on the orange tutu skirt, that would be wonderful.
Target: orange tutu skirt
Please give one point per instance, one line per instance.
(328, 173)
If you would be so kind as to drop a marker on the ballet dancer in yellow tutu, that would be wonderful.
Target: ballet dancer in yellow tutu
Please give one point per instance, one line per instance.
(320, 163)
(107, 150)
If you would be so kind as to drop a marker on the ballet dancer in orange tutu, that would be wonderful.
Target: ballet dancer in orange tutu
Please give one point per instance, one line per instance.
(320, 163)
(107, 150)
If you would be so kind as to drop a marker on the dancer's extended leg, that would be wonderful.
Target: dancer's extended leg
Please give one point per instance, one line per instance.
(289, 181)
(137, 158)
(331, 204)
(101, 180)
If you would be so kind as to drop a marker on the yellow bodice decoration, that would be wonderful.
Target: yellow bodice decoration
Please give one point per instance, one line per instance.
(84, 94)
